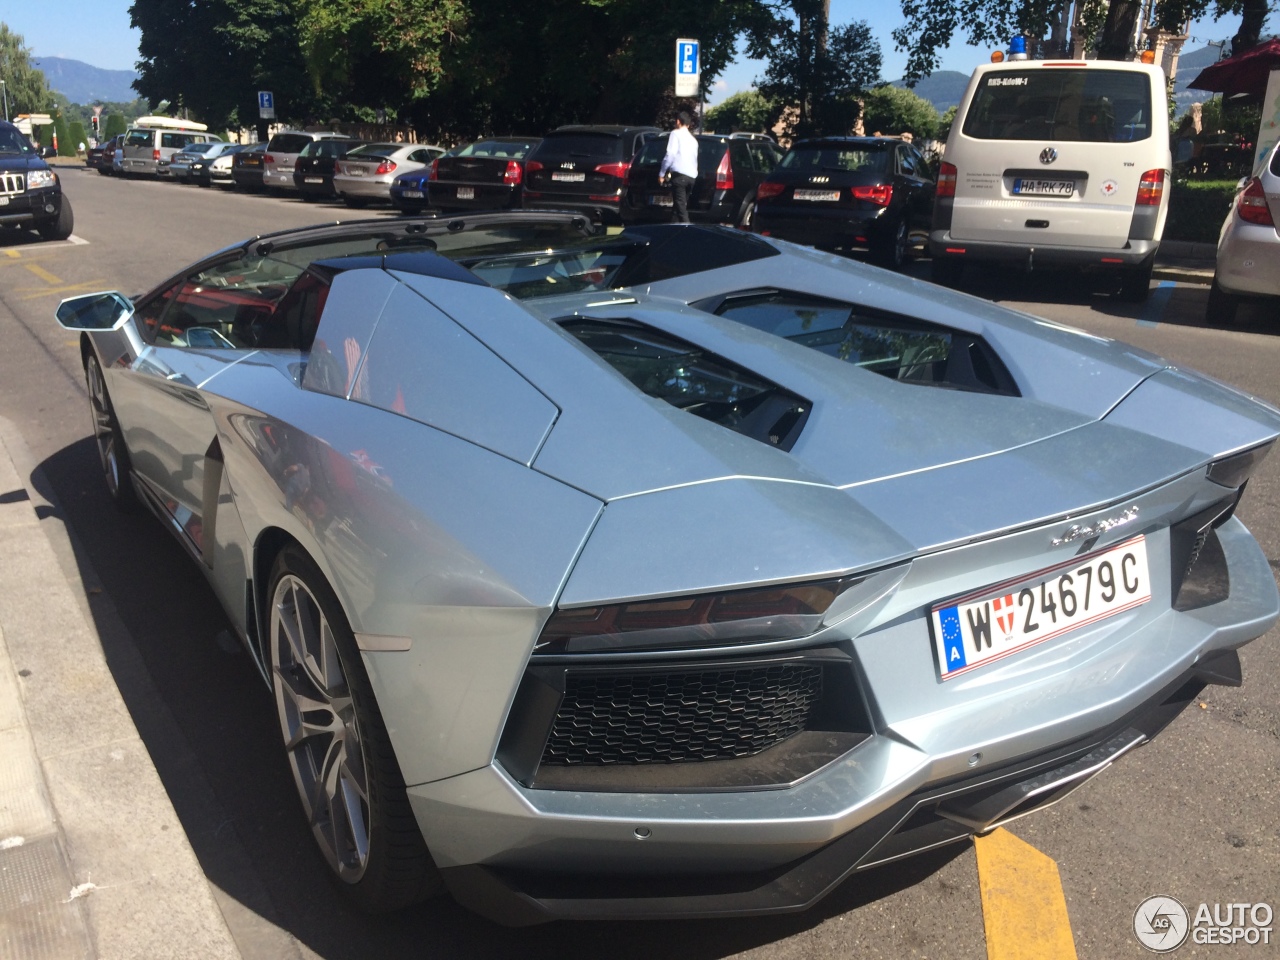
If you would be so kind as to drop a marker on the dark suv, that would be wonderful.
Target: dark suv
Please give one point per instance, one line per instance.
(729, 169)
(30, 194)
(583, 168)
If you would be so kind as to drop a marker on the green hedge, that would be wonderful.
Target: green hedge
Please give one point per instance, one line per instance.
(1197, 209)
(78, 136)
(115, 125)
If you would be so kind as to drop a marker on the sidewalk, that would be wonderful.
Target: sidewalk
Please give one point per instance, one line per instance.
(94, 862)
(1185, 262)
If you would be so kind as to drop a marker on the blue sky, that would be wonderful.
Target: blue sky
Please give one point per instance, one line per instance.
(98, 32)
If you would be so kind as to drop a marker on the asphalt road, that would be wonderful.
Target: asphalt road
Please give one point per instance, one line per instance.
(1194, 815)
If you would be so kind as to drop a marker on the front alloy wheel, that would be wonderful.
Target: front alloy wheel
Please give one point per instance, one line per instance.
(112, 455)
(344, 767)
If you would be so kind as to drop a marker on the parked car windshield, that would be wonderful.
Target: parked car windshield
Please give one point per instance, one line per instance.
(710, 151)
(376, 150)
(12, 141)
(1104, 106)
(841, 159)
(328, 148)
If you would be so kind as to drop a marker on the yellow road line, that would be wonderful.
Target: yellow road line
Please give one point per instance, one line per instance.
(68, 288)
(1023, 907)
(12, 253)
(43, 274)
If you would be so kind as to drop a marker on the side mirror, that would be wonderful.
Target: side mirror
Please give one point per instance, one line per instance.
(95, 312)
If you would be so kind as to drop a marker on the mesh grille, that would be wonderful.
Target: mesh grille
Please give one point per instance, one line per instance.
(12, 183)
(681, 716)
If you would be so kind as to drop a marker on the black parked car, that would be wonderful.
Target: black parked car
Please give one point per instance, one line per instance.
(99, 158)
(247, 167)
(485, 175)
(583, 168)
(729, 170)
(313, 170)
(850, 194)
(30, 194)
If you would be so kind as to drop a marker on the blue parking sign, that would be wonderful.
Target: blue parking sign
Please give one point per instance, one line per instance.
(266, 105)
(688, 57)
(688, 69)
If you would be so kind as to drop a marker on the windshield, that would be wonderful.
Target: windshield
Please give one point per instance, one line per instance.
(839, 159)
(328, 148)
(375, 150)
(12, 141)
(1081, 104)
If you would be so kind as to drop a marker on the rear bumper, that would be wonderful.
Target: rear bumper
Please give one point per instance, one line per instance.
(608, 212)
(820, 228)
(247, 178)
(1249, 259)
(139, 167)
(314, 183)
(370, 188)
(1135, 252)
(444, 196)
(281, 180)
(526, 855)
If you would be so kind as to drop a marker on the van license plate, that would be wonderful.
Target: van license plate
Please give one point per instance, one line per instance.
(466, 193)
(569, 177)
(1044, 188)
(817, 194)
(999, 620)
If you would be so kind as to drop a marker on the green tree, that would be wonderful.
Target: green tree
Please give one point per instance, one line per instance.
(62, 131)
(945, 122)
(1172, 14)
(24, 85)
(815, 71)
(77, 135)
(894, 110)
(747, 110)
(114, 126)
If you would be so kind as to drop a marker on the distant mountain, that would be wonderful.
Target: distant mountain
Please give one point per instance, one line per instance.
(81, 83)
(943, 89)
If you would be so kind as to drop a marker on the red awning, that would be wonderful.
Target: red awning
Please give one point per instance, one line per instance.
(1246, 73)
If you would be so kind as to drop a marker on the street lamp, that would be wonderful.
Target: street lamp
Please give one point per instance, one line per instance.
(5, 92)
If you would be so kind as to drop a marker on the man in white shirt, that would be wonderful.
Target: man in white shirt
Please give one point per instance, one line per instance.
(680, 165)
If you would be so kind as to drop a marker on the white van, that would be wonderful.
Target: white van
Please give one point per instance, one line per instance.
(151, 141)
(1056, 162)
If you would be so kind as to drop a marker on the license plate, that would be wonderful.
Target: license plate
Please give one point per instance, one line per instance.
(1044, 188)
(1002, 619)
(355, 172)
(466, 193)
(569, 177)
(313, 179)
(4, 201)
(411, 194)
(816, 194)
(661, 200)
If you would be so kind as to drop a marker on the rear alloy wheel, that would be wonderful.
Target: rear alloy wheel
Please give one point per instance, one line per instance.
(1135, 282)
(892, 252)
(343, 765)
(109, 439)
(1222, 306)
(747, 215)
(60, 227)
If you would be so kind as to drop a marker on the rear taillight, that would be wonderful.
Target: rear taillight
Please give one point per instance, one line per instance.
(1151, 188)
(433, 172)
(155, 154)
(614, 169)
(878, 193)
(531, 166)
(724, 173)
(386, 166)
(767, 190)
(1252, 205)
(947, 180)
(514, 173)
(268, 158)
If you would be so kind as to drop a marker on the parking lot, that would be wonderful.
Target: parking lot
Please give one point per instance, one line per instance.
(1193, 815)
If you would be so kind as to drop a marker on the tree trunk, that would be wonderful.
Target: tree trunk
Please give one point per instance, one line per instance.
(1117, 32)
(1254, 14)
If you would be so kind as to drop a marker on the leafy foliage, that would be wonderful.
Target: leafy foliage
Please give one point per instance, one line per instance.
(77, 135)
(114, 126)
(932, 24)
(748, 110)
(894, 110)
(1171, 14)
(25, 86)
(63, 134)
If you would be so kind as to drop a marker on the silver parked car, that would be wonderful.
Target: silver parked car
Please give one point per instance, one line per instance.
(1248, 264)
(364, 175)
(681, 572)
(282, 153)
(191, 164)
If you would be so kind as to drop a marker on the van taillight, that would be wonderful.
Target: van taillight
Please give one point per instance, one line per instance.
(947, 180)
(881, 194)
(1151, 188)
(155, 153)
(1252, 205)
(724, 173)
(514, 173)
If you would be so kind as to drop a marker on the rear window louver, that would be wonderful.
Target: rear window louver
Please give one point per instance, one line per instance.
(695, 380)
(901, 348)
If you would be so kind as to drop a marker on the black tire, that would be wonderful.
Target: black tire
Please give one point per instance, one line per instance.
(946, 272)
(355, 203)
(308, 197)
(105, 173)
(1221, 309)
(395, 869)
(60, 227)
(113, 455)
(891, 249)
(1135, 282)
(747, 215)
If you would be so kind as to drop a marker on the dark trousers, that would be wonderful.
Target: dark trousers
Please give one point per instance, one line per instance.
(680, 187)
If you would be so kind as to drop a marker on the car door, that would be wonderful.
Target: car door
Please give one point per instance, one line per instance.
(912, 178)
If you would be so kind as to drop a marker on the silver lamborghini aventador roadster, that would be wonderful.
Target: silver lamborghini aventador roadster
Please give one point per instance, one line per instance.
(679, 572)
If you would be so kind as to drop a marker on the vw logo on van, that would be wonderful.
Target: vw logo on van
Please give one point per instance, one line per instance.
(1048, 155)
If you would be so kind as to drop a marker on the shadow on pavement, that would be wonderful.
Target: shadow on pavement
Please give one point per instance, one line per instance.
(206, 715)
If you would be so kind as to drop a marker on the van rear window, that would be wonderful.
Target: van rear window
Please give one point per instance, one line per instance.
(1091, 105)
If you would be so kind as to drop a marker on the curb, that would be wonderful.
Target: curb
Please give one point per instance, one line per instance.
(1183, 274)
(93, 858)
